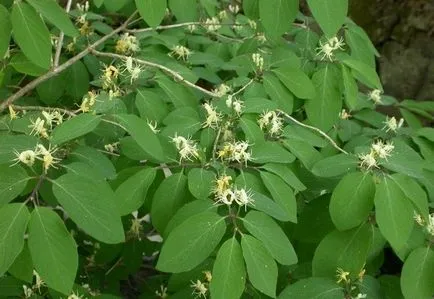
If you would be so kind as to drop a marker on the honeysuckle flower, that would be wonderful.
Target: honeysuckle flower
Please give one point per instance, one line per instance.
(271, 122)
(199, 289)
(391, 124)
(52, 117)
(213, 118)
(226, 197)
(327, 49)
(12, 113)
(382, 150)
(252, 24)
(48, 160)
(133, 69)
(38, 128)
(85, 29)
(83, 9)
(260, 37)
(430, 225)
(222, 184)
(186, 147)
(258, 60)
(26, 157)
(368, 161)
(38, 281)
(342, 275)
(212, 24)
(223, 15)
(109, 76)
(208, 275)
(375, 96)
(136, 227)
(127, 44)
(88, 101)
(162, 292)
(112, 147)
(222, 90)
(180, 52)
(28, 292)
(191, 28)
(418, 218)
(153, 125)
(344, 114)
(114, 93)
(361, 296)
(75, 296)
(234, 8)
(243, 197)
(240, 152)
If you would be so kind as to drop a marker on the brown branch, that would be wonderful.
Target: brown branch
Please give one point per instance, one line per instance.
(56, 70)
(174, 74)
(41, 108)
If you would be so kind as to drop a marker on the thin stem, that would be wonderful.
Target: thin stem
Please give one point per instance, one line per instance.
(333, 143)
(175, 75)
(243, 88)
(172, 26)
(41, 108)
(56, 70)
(61, 37)
(35, 190)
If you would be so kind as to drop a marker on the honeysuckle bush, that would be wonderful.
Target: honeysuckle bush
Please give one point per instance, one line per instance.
(210, 149)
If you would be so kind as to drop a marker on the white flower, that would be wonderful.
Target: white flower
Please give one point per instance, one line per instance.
(136, 227)
(243, 197)
(180, 52)
(418, 218)
(238, 106)
(430, 225)
(260, 37)
(186, 147)
(153, 126)
(344, 114)
(127, 44)
(361, 296)
(222, 184)
(368, 161)
(382, 150)
(227, 197)
(88, 101)
(327, 49)
(162, 292)
(75, 296)
(26, 157)
(133, 69)
(222, 90)
(39, 282)
(391, 124)
(53, 117)
(272, 122)
(112, 147)
(28, 292)
(213, 117)
(252, 24)
(223, 15)
(212, 24)
(12, 112)
(38, 128)
(234, 8)
(258, 60)
(375, 96)
(199, 289)
(48, 160)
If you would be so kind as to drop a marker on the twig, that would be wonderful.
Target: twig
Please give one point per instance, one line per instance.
(243, 88)
(316, 130)
(41, 108)
(35, 190)
(174, 74)
(172, 26)
(55, 71)
(61, 37)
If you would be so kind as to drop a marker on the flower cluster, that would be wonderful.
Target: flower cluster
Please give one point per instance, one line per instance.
(133, 69)
(271, 122)
(391, 124)
(136, 228)
(180, 52)
(235, 152)
(213, 118)
(186, 147)
(212, 24)
(328, 48)
(237, 105)
(127, 44)
(28, 157)
(88, 101)
(49, 118)
(379, 150)
(227, 194)
(222, 90)
(29, 292)
(258, 60)
(375, 96)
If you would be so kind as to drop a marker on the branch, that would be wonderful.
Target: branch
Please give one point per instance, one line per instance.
(172, 26)
(56, 70)
(41, 108)
(316, 130)
(174, 74)
(60, 40)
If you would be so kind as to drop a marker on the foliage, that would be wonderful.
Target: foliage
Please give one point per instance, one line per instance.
(219, 149)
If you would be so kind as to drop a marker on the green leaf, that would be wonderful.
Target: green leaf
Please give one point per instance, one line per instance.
(281, 193)
(269, 207)
(95, 159)
(258, 105)
(13, 181)
(296, 81)
(178, 7)
(142, 134)
(252, 131)
(352, 200)
(391, 287)
(428, 133)
(9, 144)
(277, 15)
(53, 250)
(229, 272)
(371, 287)
(323, 110)
(251, 9)
(5, 30)
(360, 44)
(55, 15)
(394, 213)
(98, 3)
(131, 194)
(296, 132)
(278, 92)
(180, 95)
(272, 236)
(286, 174)
(313, 287)
(151, 106)
(261, 267)
(22, 268)
(23, 65)
(191, 242)
(115, 5)
(329, 15)
(351, 89)
(414, 192)
(52, 89)
(75, 127)
(353, 250)
(169, 197)
(91, 205)
(152, 11)
(271, 152)
(201, 182)
(77, 77)
(418, 274)
(306, 153)
(13, 224)
(335, 165)
(31, 34)
(183, 121)
(366, 74)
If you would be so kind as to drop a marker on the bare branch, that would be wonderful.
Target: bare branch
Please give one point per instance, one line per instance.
(60, 40)
(55, 71)
(333, 143)
(41, 108)
(172, 73)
